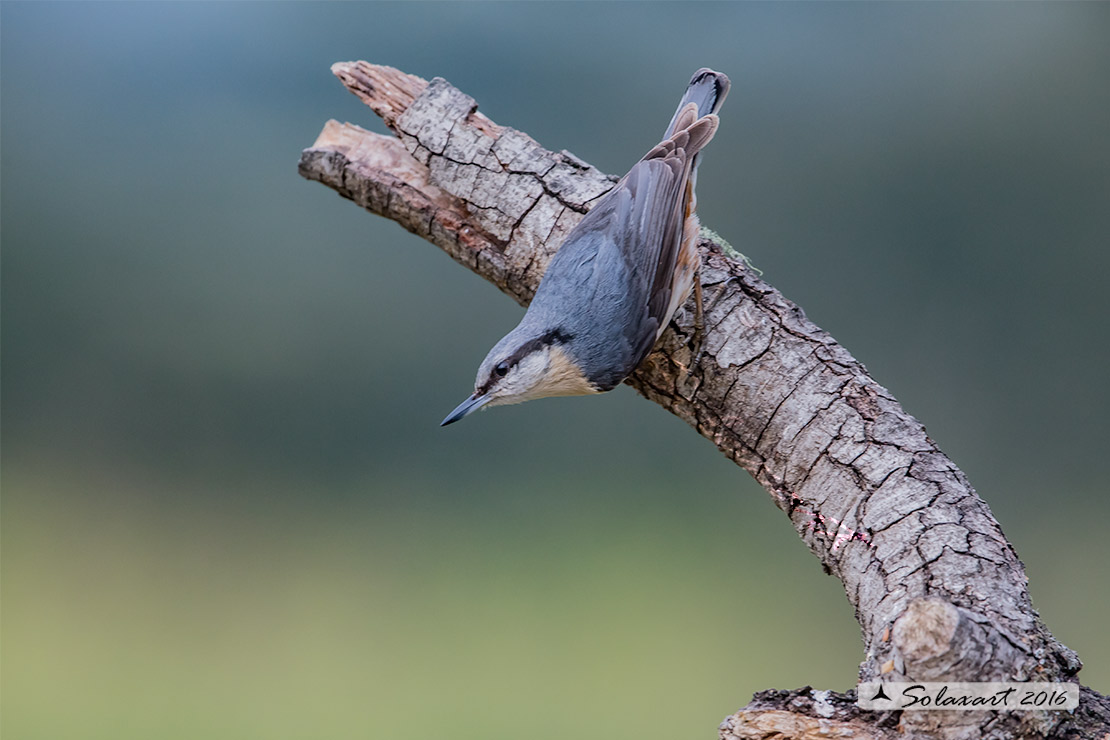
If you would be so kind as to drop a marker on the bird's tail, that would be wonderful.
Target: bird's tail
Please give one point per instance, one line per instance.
(707, 90)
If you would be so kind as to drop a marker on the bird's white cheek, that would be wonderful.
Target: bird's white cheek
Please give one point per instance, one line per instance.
(501, 399)
(512, 389)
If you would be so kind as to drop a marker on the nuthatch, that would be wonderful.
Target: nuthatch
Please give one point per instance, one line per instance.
(618, 278)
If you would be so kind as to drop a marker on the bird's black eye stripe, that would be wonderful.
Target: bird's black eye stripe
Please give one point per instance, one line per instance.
(553, 337)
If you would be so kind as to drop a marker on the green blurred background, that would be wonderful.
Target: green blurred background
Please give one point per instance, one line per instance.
(228, 510)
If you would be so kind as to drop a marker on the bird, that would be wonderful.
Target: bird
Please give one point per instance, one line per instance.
(617, 279)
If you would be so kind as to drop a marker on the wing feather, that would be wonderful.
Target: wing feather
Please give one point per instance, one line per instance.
(629, 263)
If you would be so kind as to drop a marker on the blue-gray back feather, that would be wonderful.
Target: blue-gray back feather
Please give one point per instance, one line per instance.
(610, 284)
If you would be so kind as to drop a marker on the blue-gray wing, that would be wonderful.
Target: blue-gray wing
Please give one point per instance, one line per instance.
(612, 281)
(601, 282)
(626, 267)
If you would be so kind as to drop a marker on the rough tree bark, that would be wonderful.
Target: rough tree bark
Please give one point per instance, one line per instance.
(938, 591)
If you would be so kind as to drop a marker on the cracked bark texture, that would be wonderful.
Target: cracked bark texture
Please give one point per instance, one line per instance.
(938, 591)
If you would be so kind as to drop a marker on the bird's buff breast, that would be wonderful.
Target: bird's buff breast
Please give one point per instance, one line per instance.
(563, 378)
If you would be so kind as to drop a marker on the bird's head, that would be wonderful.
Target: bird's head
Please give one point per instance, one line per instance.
(523, 366)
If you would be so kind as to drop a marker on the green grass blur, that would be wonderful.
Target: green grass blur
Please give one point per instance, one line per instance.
(357, 620)
(124, 619)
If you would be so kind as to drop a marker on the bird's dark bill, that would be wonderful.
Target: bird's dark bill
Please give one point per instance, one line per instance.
(473, 403)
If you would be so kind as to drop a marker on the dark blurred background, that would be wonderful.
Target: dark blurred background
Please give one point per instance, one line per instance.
(228, 509)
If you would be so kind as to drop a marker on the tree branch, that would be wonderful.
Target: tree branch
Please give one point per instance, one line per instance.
(938, 591)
